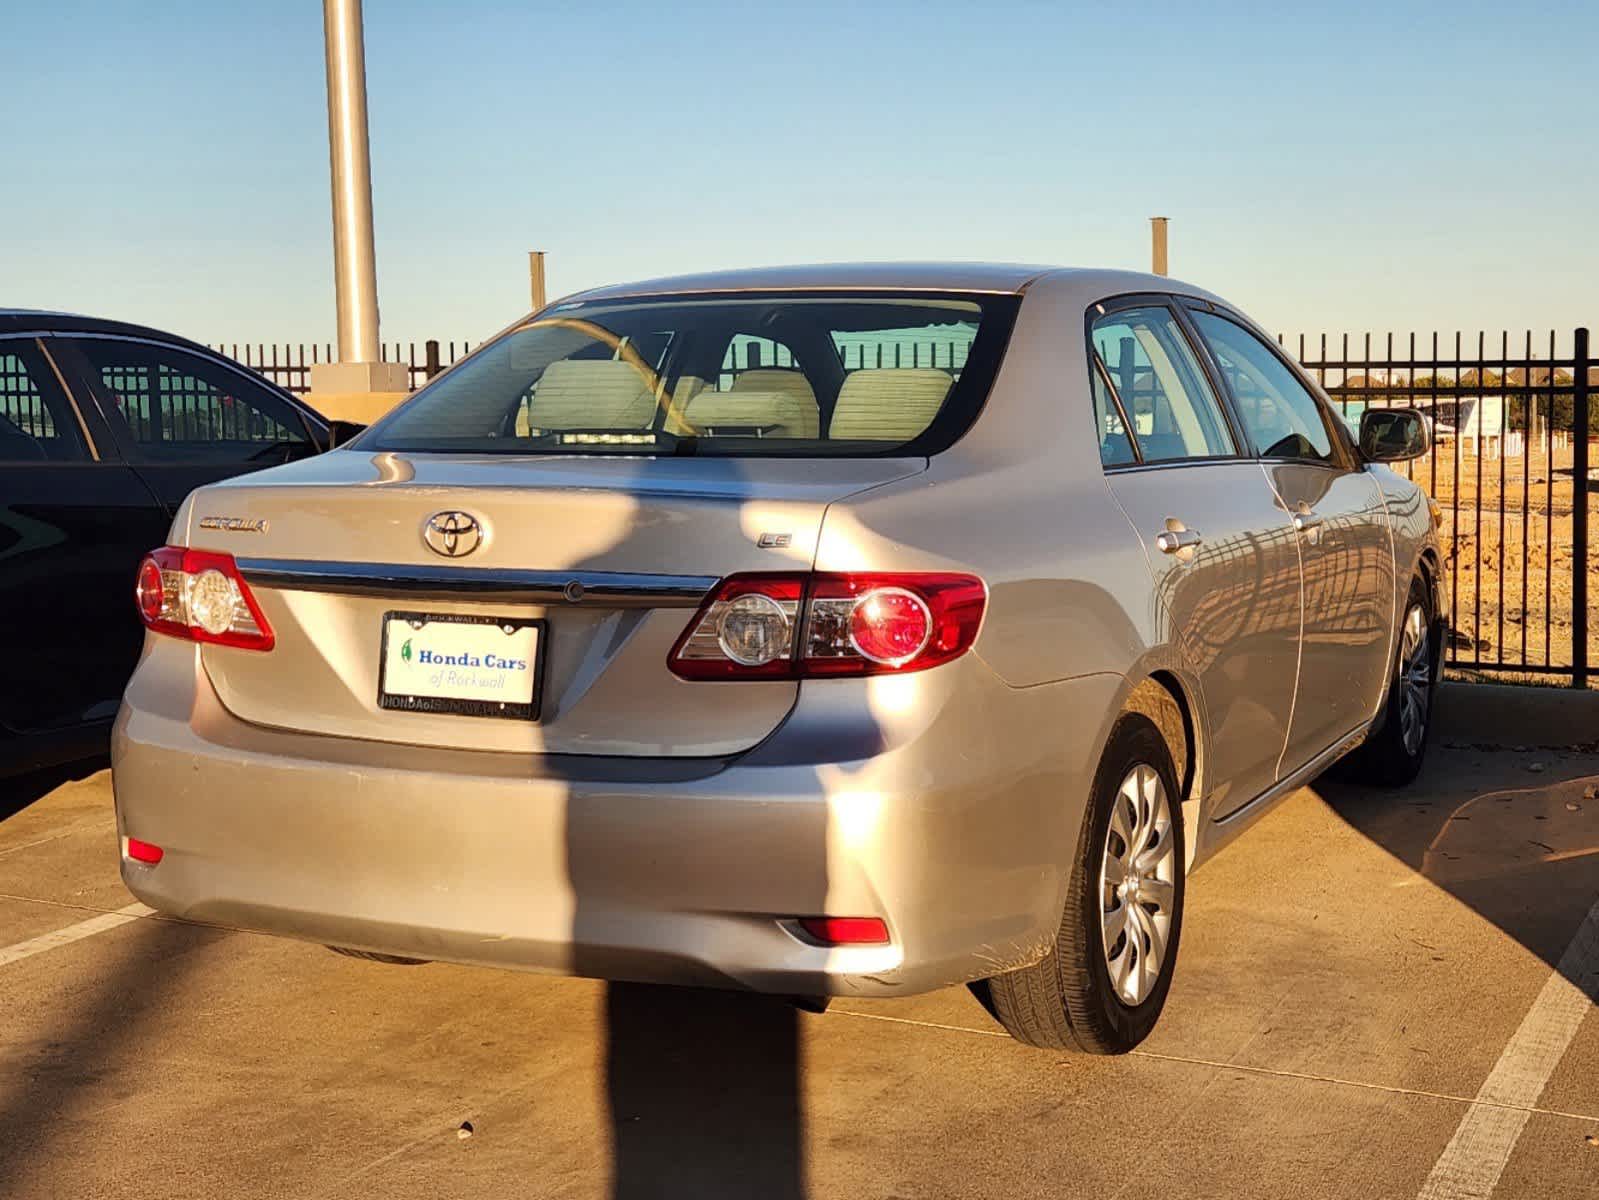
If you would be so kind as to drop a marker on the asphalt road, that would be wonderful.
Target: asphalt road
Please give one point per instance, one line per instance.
(1379, 995)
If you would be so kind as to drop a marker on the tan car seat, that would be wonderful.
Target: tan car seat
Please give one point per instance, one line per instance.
(785, 382)
(892, 404)
(588, 394)
(753, 414)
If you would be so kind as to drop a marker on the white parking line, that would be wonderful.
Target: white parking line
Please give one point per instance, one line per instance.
(72, 933)
(1470, 1166)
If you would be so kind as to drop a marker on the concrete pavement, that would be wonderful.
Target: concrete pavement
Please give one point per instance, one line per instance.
(1353, 972)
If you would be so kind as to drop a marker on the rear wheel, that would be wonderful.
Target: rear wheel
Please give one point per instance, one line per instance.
(1392, 756)
(1104, 983)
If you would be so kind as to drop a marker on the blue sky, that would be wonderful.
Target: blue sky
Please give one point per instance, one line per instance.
(1329, 167)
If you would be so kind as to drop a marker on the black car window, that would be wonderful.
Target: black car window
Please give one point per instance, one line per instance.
(178, 407)
(1278, 412)
(36, 422)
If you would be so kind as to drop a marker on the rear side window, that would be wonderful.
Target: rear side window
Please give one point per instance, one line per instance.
(176, 407)
(752, 375)
(36, 422)
(1163, 390)
(1280, 416)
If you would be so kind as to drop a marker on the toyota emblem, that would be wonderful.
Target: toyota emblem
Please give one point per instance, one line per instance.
(453, 534)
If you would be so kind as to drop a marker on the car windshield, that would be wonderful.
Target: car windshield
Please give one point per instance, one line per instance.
(752, 375)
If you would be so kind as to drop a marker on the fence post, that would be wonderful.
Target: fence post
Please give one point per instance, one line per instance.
(430, 364)
(1579, 511)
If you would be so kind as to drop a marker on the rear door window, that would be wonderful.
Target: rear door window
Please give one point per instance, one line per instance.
(37, 423)
(1162, 388)
(171, 406)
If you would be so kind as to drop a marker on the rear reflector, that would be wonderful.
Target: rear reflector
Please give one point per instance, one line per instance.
(804, 625)
(200, 595)
(144, 852)
(846, 931)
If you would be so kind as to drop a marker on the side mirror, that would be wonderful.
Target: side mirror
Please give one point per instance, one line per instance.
(340, 432)
(1394, 434)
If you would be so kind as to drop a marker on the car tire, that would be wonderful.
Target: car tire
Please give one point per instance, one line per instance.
(1392, 756)
(1103, 984)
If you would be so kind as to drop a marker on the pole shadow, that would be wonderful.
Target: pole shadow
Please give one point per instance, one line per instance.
(702, 1081)
(703, 1092)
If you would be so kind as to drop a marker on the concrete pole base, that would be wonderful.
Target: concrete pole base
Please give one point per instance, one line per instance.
(357, 391)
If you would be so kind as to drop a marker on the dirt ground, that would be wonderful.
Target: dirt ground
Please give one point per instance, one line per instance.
(1507, 539)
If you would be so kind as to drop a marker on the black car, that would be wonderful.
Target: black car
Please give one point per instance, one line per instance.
(104, 429)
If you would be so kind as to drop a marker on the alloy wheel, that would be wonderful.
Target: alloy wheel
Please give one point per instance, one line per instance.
(1137, 884)
(1415, 679)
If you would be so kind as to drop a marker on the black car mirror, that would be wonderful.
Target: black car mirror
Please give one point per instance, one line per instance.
(1394, 434)
(340, 432)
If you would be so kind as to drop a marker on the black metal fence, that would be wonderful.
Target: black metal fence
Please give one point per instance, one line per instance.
(289, 366)
(21, 403)
(1508, 469)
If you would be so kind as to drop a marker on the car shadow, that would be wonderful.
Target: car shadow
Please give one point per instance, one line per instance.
(17, 792)
(89, 1044)
(1513, 836)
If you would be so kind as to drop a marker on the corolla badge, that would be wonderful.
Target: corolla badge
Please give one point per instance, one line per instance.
(235, 524)
(452, 533)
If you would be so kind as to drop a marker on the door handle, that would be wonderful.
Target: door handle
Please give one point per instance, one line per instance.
(1170, 541)
(1305, 520)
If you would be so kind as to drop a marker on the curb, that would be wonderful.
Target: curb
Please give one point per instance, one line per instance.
(1504, 715)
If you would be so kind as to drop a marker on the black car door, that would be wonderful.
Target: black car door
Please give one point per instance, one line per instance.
(185, 419)
(74, 522)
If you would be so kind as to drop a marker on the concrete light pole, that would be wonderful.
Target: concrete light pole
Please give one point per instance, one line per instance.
(358, 387)
(1157, 249)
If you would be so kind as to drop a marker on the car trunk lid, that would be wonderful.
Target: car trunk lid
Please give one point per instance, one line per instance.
(609, 556)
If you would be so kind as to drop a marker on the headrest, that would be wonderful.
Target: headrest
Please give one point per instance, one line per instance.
(577, 393)
(891, 404)
(772, 413)
(785, 380)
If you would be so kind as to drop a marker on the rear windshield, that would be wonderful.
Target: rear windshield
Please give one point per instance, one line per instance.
(748, 375)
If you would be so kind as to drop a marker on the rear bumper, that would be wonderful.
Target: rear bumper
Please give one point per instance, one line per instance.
(945, 803)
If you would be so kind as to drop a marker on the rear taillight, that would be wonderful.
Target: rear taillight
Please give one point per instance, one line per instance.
(744, 631)
(200, 595)
(789, 626)
(874, 624)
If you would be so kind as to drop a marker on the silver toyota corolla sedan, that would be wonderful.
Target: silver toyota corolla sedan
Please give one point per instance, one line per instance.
(849, 630)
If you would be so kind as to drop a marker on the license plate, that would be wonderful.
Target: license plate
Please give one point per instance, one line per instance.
(472, 666)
